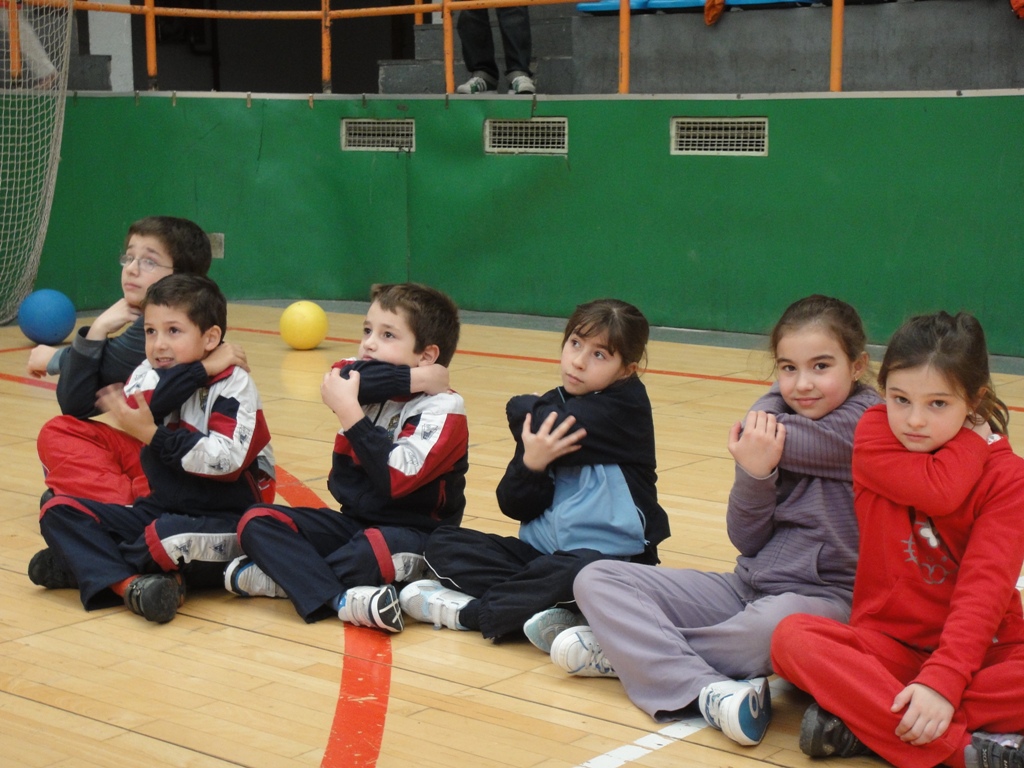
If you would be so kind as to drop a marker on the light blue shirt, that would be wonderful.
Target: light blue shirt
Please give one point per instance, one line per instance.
(592, 508)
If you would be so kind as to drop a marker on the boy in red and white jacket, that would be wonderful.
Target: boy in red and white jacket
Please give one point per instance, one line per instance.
(201, 434)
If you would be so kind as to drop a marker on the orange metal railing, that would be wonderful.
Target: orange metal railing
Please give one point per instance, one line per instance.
(14, 33)
(325, 16)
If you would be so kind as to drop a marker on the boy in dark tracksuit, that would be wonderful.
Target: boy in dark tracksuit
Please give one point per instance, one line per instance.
(201, 435)
(399, 472)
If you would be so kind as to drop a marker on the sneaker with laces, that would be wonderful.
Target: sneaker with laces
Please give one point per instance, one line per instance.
(46, 570)
(476, 84)
(521, 83)
(542, 628)
(155, 596)
(822, 734)
(995, 750)
(432, 602)
(372, 607)
(246, 579)
(741, 709)
(577, 651)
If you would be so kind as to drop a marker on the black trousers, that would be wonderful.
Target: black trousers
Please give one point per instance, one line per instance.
(510, 579)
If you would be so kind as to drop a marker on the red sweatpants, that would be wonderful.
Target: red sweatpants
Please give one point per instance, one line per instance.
(91, 460)
(856, 673)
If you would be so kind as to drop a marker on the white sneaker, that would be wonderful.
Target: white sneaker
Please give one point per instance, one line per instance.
(577, 651)
(542, 628)
(521, 83)
(193, 547)
(409, 567)
(432, 602)
(372, 607)
(476, 84)
(741, 709)
(246, 579)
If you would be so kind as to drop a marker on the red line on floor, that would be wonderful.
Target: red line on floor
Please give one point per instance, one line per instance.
(495, 355)
(553, 361)
(41, 383)
(358, 726)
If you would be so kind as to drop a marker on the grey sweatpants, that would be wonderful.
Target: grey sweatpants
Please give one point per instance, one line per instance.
(669, 632)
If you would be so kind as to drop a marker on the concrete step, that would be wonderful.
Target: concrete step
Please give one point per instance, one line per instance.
(891, 46)
(553, 75)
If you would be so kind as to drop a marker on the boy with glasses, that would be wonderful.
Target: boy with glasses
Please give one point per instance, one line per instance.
(87, 458)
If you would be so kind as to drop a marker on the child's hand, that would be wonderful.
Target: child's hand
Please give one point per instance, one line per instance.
(114, 318)
(137, 422)
(341, 395)
(927, 717)
(430, 379)
(223, 357)
(38, 359)
(548, 444)
(757, 444)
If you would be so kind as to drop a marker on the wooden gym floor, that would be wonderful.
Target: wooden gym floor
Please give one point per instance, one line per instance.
(234, 682)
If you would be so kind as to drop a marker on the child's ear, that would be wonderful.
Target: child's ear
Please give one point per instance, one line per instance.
(429, 354)
(629, 370)
(860, 365)
(212, 337)
(979, 398)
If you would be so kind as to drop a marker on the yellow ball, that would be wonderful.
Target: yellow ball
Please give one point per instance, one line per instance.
(303, 325)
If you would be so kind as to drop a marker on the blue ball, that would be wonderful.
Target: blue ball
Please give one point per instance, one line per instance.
(46, 316)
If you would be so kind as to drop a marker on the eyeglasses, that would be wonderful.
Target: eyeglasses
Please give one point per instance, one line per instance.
(146, 264)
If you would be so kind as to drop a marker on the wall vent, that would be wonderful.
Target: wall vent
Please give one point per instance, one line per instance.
(535, 136)
(719, 136)
(378, 135)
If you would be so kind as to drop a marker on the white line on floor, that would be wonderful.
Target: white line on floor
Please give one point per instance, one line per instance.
(668, 735)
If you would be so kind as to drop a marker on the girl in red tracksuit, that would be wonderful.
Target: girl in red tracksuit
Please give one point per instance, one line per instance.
(930, 668)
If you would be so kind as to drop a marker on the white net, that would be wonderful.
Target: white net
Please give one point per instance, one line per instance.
(35, 43)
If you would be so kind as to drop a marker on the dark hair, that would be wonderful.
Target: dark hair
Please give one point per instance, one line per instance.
(625, 325)
(195, 295)
(834, 316)
(185, 240)
(432, 316)
(954, 345)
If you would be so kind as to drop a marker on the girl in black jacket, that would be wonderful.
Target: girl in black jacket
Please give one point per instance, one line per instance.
(581, 484)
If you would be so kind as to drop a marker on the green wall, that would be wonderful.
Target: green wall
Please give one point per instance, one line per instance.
(899, 205)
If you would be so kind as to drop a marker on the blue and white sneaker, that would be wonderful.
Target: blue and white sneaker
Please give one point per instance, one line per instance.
(431, 602)
(577, 651)
(372, 607)
(543, 627)
(244, 578)
(741, 709)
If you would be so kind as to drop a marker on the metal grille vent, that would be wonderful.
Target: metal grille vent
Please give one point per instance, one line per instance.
(720, 136)
(378, 135)
(535, 136)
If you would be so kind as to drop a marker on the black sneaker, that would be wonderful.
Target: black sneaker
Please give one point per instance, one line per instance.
(822, 734)
(998, 750)
(46, 570)
(45, 497)
(155, 597)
